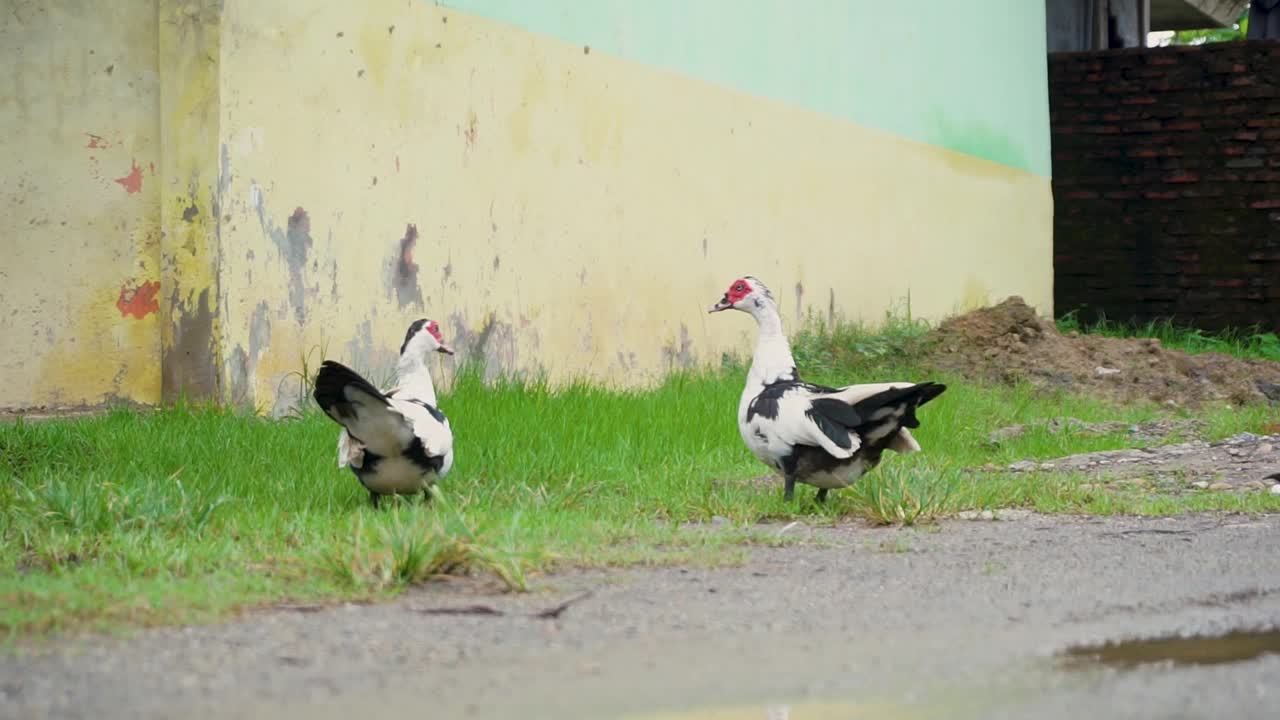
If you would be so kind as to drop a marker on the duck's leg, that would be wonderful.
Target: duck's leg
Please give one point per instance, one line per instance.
(822, 495)
(374, 498)
(789, 491)
(426, 495)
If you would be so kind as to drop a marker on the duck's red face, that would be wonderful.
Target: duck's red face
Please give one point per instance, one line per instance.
(736, 293)
(434, 328)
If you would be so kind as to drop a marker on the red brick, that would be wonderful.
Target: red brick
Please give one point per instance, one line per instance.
(1144, 126)
(1265, 204)
(1182, 125)
(1082, 195)
(1138, 100)
(1185, 177)
(1229, 283)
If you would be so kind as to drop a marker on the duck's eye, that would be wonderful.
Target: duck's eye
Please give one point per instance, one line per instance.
(739, 287)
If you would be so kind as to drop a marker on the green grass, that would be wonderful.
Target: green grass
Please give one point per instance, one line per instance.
(1249, 343)
(178, 515)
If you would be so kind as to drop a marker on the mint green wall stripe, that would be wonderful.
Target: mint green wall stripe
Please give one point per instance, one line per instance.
(971, 76)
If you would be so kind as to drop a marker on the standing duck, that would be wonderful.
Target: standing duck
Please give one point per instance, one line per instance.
(397, 442)
(820, 436)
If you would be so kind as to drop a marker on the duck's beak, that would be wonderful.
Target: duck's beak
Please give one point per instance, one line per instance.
(447, 350)
(724, 304)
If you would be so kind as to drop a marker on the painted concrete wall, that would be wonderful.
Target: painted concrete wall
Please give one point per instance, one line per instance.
(79, 272)
(577, 210)
(969, 76)
(564, 197)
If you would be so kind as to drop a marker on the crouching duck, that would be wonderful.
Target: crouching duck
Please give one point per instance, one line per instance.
(397, 442)
(820, 436)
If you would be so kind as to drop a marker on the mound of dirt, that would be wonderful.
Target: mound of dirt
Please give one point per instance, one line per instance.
(1009, 343)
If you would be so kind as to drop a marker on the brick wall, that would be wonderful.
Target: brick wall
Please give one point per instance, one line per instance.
(1166, 183)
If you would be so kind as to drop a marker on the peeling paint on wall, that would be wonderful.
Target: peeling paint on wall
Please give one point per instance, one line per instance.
(494, 344)
(193, 347)
(298, 238)
(138, 301)
(259, 330)
(292, 244)
(132, 183)
(405, 273)
(681, 355)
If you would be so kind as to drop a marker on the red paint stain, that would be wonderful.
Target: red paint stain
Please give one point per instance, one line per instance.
(96, 141)
(132, 183)
(397, 163)
(138, 301)
(152, 167)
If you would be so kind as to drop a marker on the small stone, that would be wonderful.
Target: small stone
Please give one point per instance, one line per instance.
(1255, 485)
(1275, 489)
(1089, 487)
(719, 520)
(1101, 371)
(1200, 484)
(1024, 466)
(1221, 486)
(1264, 448)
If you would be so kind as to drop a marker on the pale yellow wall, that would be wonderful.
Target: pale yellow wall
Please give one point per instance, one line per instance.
(79, 241)
(583, 208)
(593, 207)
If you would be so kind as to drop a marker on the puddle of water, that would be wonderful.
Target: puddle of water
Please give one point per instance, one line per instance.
(1229, 648)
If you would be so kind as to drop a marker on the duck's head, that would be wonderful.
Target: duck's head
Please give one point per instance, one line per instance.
(746, 293)
(424, 337)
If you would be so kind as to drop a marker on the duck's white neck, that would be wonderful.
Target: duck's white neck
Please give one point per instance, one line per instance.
(415, 378)
(772, 360)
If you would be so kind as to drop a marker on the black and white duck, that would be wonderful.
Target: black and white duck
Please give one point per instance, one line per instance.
(821, 436)
(397, 442)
